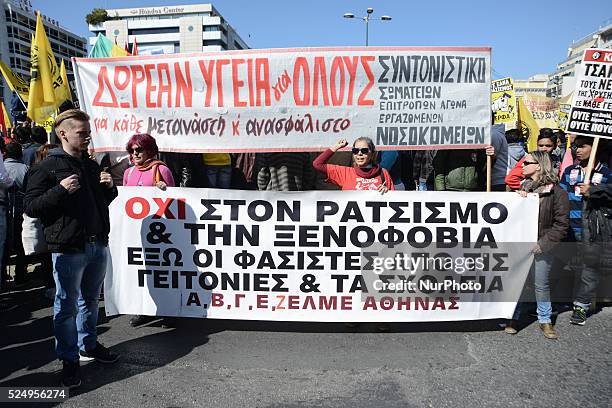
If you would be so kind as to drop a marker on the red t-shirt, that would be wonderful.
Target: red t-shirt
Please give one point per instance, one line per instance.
(346, 177)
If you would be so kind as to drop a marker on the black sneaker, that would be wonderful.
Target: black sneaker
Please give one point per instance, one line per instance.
(100, 353)
(71, 374)
(579, 316)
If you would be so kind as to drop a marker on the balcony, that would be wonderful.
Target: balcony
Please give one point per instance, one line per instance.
(211, 20)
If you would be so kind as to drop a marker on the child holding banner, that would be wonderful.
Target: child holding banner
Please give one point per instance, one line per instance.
(590, 221)
(553, 223)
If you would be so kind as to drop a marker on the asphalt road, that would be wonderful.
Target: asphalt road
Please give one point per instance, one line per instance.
(276, 364)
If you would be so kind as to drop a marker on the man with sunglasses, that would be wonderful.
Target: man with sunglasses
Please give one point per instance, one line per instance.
(70, 195)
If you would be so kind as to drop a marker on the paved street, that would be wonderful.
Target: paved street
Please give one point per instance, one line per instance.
(265, 364)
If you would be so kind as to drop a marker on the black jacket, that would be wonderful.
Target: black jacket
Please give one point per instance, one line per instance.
(66, 218)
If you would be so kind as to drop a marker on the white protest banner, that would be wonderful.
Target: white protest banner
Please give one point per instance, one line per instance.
(591, 112)
(319, 256)
(290, 99)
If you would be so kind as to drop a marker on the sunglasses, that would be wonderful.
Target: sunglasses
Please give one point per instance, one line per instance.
(363, 150)
(136, 150)
(527, 163)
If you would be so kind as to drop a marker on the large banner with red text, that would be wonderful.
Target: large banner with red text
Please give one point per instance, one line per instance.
(319, 256)
(290, 99)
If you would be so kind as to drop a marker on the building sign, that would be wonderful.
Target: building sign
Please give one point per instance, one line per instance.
(153, 11)
(159, 11)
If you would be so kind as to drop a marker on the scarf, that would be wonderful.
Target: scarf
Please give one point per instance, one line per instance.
(149, 164)
(532, 186)
(152, 164)
(368, 173)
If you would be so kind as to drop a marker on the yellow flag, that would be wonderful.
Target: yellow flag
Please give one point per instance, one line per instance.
(65, 79)
(528, 126)
(47, 90)
(117, 51)
(15, 81)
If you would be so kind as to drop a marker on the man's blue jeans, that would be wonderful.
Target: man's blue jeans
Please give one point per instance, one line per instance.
(78, 280)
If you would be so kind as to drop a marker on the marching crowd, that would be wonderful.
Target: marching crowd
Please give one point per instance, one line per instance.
(55, 200)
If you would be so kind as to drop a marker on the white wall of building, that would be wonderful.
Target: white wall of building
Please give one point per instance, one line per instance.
(185, 29)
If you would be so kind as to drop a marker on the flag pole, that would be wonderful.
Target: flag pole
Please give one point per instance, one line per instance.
(489, 164)
(589, 169)
(518, 120)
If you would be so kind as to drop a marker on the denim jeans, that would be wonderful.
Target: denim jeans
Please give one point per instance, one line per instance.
(2, 239)
(542, 267)
(78, 280)
(588, 277)
(219, 176)
(587, 286)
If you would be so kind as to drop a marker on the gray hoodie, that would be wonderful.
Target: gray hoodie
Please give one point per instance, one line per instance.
(516, 152)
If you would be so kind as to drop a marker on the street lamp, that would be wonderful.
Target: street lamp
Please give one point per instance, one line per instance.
(367, 19)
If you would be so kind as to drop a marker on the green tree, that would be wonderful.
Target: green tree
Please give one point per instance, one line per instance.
(97, 16)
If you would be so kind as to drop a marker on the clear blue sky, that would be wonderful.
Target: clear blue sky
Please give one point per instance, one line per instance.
(527, 36)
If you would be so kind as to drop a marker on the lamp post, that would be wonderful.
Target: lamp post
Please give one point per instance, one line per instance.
(367, 19)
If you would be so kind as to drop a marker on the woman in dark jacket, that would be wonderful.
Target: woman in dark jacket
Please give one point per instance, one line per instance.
(553, 224)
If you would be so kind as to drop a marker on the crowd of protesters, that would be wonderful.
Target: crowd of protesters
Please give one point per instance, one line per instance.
(55, 200)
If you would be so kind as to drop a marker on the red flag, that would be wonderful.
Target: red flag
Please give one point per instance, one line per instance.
(126, 48)
(135, 47)
(567, 161)
(3, 129)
